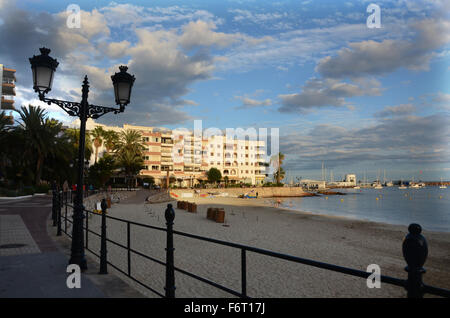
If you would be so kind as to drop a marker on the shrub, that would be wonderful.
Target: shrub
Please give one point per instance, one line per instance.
(27, 191)
(42, 188)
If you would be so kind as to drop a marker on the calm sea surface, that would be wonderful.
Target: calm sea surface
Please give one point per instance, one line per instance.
(429, 206)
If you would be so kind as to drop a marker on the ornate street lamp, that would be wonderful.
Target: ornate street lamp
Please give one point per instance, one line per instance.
(44, 67)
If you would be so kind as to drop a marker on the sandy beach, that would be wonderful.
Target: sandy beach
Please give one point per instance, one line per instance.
(256, 222)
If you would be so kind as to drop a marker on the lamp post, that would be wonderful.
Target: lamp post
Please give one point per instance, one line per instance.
(44, 67)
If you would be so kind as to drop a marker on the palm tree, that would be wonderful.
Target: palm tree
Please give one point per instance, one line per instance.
(5, 121)
(74, 135)
(129, 153)
(98, 134)
(40, 134)
(278, 161)
(111, 139)
(130, 140)
(59, 157)
(5, 128)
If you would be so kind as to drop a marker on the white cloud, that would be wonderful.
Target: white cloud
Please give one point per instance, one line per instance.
(326, 92)
(248, 103)
(116, 49)
(400, 110)
(257, 18)
(408, 139)
(119, 15)
(379, 57)
(201, 33)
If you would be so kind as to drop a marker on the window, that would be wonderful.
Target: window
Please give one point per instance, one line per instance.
(155, 168)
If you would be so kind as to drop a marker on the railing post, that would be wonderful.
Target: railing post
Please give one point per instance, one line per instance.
(65, 215)
(170, 266)
(128, 248)
(244, 272)
(103, 251)
(58, 215)
(87, 228)
(54, 203)
(415, 252)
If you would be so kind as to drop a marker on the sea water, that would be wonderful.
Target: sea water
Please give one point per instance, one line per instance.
(429, 206)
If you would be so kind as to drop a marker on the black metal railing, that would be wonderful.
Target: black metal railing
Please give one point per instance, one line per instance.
(414, 248)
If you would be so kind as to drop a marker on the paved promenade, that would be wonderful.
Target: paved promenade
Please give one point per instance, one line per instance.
(33, 264)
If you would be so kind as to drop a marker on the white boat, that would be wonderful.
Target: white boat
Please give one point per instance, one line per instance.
(357, 187)
(414, 185)
(377, 184)
(442, 186)
(402, 186)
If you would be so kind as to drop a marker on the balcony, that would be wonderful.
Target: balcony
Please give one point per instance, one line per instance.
(8, 89)
(7, 103)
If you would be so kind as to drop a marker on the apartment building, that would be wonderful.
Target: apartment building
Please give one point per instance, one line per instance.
(7, 89)
(186, 156)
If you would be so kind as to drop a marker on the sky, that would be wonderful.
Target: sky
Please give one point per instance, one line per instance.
(359, 99)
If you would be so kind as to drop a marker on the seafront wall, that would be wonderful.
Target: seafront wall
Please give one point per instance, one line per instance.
(263, 192)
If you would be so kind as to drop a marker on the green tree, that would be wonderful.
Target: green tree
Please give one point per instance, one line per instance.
(74, 138)
(5, 129)
(74, 135)
(111, 139)
(226, 180)
(98, 135)
(214, 175)
(277, 162)
(129, 153)
(42, 137)
(102, 171)
(150, 180)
